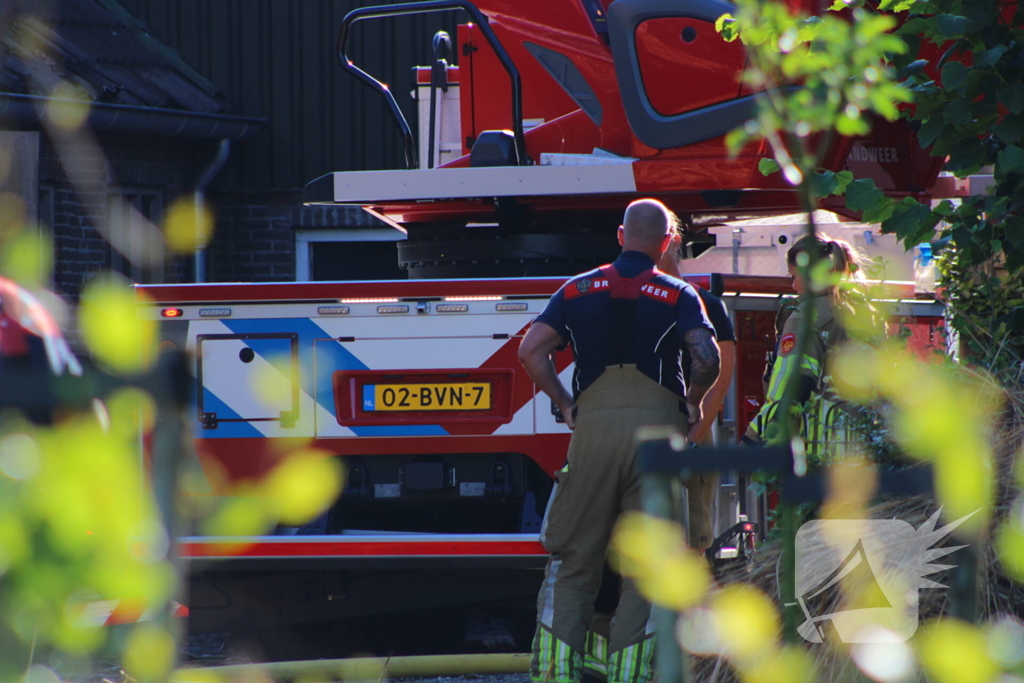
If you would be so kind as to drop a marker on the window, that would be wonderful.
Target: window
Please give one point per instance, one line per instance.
(124, 229)
(357, 254)
(46, 216)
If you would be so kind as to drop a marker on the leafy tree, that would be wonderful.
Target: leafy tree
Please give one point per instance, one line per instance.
(970, 108)
(831, 74)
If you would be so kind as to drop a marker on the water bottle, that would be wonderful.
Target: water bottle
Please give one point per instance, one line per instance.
(924, 269)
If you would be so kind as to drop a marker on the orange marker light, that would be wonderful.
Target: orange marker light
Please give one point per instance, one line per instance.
(172, 313)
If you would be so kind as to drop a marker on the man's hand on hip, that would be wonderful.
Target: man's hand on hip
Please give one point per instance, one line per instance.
(694, 414)
(535, 351)
(568, 411)
(700, 431)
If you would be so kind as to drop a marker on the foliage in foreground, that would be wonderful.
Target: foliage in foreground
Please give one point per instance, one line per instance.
(81, 535)
(821, 77)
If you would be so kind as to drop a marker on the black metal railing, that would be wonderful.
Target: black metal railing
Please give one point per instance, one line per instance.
(442, 48)
(428, 6)
(661, 462)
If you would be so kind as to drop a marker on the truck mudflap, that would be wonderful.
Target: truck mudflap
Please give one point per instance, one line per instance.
(241, 551)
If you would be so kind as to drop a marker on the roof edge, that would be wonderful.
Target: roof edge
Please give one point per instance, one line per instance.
(125, 118)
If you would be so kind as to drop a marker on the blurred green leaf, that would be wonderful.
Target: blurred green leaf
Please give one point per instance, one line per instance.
(930, 130)
(1011, 159)
(768, 166)
(954, 74)
(1012, 96)
(726, 25)
(910, 220)
(304, 485)
(654, 553)
(985, 59)
(149, 652)
(852, 126)
(959, 111)
(843, 180)
(953, 651)
(113, 326)
(862, 195)
(944, 208)
(1010, 129)
(27, 258)
(951, 25)
(1010, 546)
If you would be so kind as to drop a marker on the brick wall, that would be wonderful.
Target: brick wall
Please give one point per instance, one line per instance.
(254, 240)
(251, 242)
(254, 237)
(157, 168)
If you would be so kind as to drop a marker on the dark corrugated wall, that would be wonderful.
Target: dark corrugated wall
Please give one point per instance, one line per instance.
(276, 59)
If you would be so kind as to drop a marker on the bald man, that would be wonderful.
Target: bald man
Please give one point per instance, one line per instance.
(627, 324)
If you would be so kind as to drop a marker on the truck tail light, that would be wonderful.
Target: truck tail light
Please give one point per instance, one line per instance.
(171, 313)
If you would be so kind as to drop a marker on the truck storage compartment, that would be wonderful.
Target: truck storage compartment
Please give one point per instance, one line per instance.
(455, 493)
(231, 369)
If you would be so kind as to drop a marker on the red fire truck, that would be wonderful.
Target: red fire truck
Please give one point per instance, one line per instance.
(555, 117)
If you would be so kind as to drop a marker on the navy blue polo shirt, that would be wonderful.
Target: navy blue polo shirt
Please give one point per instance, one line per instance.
(666, 308)
(719, 317)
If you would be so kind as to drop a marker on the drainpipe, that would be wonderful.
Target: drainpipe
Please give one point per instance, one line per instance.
(204, 180)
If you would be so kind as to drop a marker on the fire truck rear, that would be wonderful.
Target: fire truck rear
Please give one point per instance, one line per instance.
(528, 150)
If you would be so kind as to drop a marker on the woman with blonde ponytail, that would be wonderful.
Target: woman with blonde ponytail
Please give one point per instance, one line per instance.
(824, 419)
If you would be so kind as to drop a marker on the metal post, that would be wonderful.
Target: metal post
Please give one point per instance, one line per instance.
(672, 661)
(202, 183)
(963, 585)
(787, 575)
(171, 392)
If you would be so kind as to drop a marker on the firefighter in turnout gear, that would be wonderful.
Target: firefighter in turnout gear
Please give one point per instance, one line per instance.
(701, 487)
(627, 324)
(824, 424)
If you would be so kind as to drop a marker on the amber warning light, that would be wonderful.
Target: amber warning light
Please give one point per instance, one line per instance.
(171, 313)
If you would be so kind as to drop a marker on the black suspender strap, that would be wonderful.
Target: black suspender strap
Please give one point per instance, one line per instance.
(622, 323)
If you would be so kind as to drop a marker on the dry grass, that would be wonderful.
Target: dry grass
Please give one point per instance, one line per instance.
(998, 593)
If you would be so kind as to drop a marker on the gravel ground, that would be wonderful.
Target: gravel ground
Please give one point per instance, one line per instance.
(117, 675)
(505, 678)
(214, 649)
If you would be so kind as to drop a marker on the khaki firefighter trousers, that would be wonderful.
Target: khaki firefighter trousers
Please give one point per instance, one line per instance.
(598, 483)
(701, 497)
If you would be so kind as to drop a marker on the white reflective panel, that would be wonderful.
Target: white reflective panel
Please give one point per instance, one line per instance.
(233, 371)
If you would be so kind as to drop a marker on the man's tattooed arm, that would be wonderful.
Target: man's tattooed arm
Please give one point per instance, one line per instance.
(704, 365)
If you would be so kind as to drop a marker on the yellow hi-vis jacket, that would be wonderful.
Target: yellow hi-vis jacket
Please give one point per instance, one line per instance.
(823, 424)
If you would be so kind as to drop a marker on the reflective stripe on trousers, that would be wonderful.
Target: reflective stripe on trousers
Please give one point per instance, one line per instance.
(553, 660)
(600, 481)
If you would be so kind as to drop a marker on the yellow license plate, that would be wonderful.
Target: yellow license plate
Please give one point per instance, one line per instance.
(440, 396)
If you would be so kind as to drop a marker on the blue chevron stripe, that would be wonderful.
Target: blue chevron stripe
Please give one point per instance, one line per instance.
(333, 356)
(224, 430)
